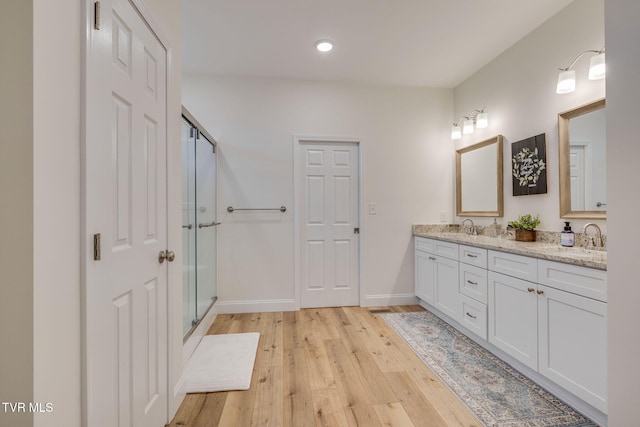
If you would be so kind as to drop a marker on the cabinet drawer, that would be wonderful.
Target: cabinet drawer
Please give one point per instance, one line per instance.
(518, 266)
(474, 316)
(473, 256)
(473, 282)
(578, 280)
(446, 249)
(437, 247)
(425, 245)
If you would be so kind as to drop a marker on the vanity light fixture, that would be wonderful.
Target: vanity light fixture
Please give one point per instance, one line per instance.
(567, 76)
(324, 45)
(476, 119)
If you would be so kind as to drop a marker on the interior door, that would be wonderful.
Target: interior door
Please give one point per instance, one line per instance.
(126, 204)
(328, 208)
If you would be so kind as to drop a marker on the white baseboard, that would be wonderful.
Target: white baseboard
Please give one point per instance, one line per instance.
(256, 306)
(389, 299)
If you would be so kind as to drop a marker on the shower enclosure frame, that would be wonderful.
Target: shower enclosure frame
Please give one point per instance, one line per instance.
(192, 320)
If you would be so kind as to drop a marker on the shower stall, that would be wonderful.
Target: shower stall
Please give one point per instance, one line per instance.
(199, 225)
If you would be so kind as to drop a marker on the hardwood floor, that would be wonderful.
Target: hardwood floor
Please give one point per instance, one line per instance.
(327, 367)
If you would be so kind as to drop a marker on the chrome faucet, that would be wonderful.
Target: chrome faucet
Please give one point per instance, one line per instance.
(468, 229)
(596, 241)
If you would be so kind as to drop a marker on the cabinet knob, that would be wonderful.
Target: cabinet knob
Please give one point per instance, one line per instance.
(540, 292)
(530, 290)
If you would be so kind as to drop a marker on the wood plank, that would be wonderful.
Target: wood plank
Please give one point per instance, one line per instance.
(298, 402)
(221, 324)
(270, 353)
(268, 404)
(373, 380)
(376, 341)
(394, 415)
(417, 405)
(330, 410)
(188, 411)
(318, 366)
(349, 382)
(209, 415)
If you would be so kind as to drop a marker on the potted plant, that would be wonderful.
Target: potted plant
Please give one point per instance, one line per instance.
(525, 227)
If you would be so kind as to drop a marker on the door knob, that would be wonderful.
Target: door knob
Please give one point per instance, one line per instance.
(168, 255)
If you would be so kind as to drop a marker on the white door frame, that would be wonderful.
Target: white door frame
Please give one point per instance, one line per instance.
(298, 140)
(175, 398)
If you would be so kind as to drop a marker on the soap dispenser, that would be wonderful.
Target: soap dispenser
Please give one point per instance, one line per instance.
(567, 237)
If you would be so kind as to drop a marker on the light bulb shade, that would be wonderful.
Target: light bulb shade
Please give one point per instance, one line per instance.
(324, 45)
(482, 120)
(566, 81)
(456, 132)
(467, 127)
(597, 67)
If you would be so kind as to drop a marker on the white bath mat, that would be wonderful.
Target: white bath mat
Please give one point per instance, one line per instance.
(221, 363)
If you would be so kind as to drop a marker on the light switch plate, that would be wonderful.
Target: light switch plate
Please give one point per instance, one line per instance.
(372, 209)
(444, 216)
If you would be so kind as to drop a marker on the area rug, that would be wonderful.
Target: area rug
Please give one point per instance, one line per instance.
(495, 392)
(221, 363)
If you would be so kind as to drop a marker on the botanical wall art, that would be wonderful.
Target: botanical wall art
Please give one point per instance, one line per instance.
(529, 166)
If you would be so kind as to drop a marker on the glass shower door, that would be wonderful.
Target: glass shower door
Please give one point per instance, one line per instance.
(189, 227)
(199, 226)
(207, 226)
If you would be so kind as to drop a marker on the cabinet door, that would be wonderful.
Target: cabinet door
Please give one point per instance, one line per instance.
(513, 317)
(447, 297)
(424, 276)
(573, 344)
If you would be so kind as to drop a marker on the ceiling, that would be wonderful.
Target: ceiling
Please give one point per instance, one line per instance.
(433, 43)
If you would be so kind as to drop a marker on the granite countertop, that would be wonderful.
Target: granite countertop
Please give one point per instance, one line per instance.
(543, 250)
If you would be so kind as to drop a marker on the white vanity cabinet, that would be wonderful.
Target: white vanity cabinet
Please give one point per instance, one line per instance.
(549, 316)
(546, 323)
(436, 264)
(572, 330)
(473, 289)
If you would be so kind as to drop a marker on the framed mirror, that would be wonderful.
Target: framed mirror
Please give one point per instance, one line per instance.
(582, 146)
(479, 179)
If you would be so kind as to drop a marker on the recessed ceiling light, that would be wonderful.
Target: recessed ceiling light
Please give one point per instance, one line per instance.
(324, 45)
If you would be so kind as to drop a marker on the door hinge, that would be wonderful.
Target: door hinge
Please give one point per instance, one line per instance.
(96, 247)
(96, 15)
(356, 230)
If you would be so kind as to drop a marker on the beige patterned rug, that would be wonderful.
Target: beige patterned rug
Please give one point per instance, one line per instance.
(495, 392)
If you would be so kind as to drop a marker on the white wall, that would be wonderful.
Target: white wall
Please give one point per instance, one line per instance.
(56, 211)
(40, 300)
(518, 89)
(406, 164)
(16, 208)
(623, 152)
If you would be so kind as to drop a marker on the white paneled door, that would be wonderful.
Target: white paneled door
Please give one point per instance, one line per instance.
(125, 194)
(328, 210)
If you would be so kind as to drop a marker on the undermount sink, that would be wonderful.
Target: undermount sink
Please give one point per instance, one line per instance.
(578, 252)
